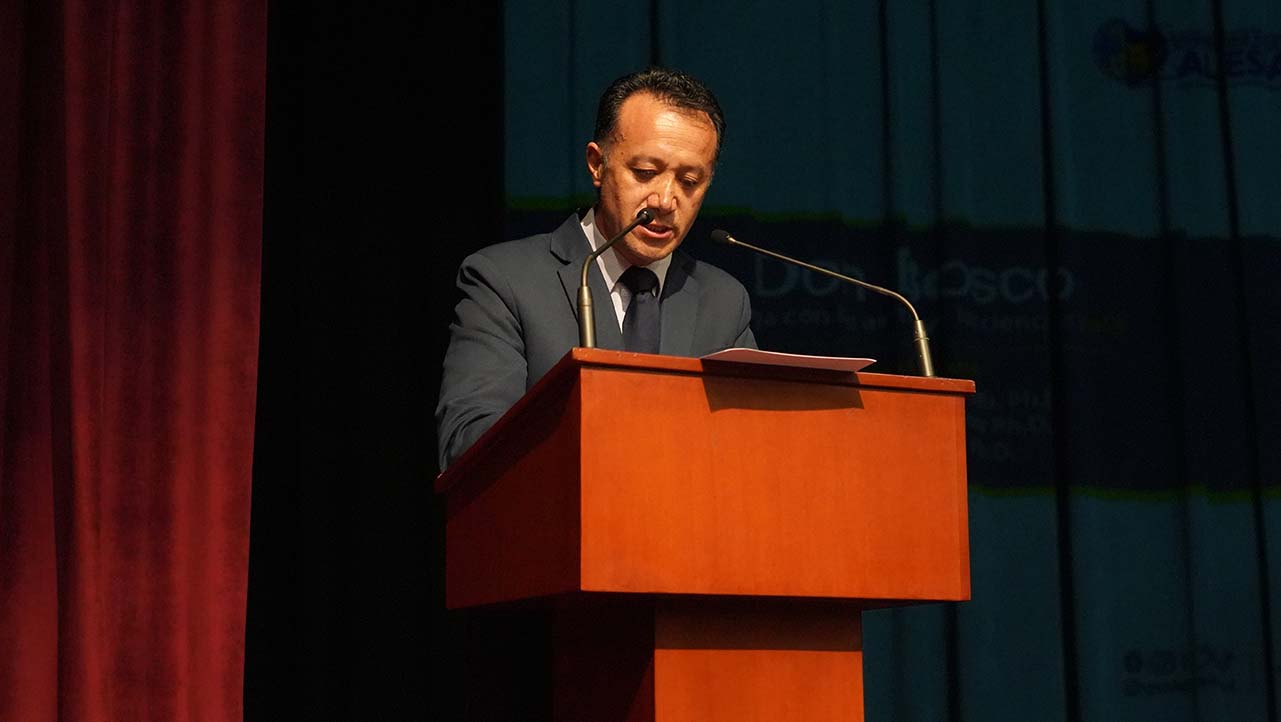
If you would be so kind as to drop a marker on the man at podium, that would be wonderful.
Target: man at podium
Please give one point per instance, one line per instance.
(657, 137)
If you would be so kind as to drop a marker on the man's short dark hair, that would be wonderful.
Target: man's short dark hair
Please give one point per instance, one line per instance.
(669, 86)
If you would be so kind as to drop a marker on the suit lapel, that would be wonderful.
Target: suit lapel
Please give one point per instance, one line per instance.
(680, 307)
(570, 246)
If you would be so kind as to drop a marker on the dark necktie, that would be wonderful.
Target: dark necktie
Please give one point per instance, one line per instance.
(642, 324)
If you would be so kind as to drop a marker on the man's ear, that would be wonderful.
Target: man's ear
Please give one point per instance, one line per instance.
(595, 162)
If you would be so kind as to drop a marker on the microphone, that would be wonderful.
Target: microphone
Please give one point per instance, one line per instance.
(586, 316)
(921, 341)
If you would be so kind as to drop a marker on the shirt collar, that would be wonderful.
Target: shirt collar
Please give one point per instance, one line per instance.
(611, 263)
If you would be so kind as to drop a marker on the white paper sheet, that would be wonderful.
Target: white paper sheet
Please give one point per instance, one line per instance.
(774, 358)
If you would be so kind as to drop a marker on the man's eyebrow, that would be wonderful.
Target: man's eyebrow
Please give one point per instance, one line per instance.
(663, 164)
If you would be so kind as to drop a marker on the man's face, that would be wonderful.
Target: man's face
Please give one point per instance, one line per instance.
(660, 157)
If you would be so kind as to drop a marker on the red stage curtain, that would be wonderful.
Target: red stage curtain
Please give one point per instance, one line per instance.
(131, 177)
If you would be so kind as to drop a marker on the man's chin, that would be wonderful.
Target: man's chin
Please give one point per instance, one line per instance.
(643, 254)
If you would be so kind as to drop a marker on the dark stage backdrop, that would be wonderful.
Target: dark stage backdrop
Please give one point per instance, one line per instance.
(131, 155)
(384, 168)
(1082, 199)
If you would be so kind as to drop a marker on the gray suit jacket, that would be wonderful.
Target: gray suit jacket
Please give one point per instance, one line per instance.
(518, 317)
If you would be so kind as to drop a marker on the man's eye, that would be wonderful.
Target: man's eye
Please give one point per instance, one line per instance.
(644, 173)
(691, 182)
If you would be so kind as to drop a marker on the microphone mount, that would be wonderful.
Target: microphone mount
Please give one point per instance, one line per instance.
(920, 340)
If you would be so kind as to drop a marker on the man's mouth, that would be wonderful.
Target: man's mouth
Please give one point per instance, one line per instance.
(657, 229)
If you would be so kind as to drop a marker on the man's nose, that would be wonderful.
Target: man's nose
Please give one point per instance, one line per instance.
(664, 198)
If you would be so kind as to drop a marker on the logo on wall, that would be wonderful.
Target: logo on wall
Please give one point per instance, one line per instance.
(1128, 54)
(1138, 56)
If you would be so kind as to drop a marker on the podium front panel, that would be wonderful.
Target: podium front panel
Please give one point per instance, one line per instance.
(707, 484)
(637, 474)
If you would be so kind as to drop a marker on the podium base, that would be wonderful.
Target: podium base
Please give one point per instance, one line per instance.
(707, 660)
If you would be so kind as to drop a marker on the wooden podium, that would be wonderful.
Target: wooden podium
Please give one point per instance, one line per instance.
(708, 533)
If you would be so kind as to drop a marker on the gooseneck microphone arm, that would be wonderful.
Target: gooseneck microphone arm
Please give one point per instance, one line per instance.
(587, 316)
(920, 340)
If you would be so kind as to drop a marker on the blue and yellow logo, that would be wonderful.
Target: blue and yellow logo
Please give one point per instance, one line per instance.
(1127, 54)
(1249, 57)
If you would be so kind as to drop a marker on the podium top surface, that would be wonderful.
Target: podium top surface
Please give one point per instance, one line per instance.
(577, 357)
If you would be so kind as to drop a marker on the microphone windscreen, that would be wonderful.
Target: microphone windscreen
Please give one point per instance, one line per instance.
(720, 236)
(646, 215)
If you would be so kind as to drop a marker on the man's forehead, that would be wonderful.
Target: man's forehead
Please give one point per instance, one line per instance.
(664, 161)
(659, 126)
